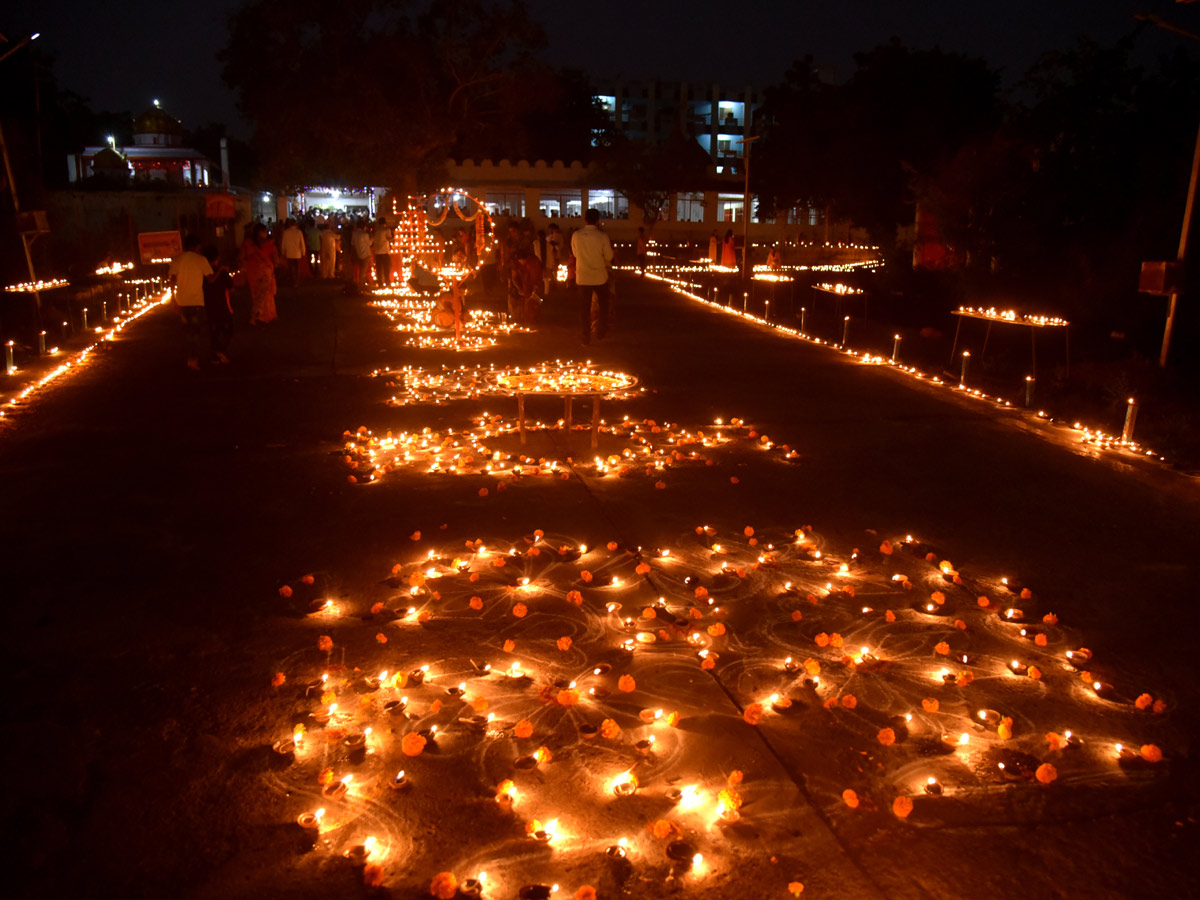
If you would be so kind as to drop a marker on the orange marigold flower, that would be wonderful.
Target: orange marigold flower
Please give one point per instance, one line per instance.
(886, 548)
(661, 828)
(424, 616)
(435, 707)
(642, 569)
(660, 485)
(509, 645)
(1054, 741)
(376, 608)
(965, 678)
(812, 666)
(564, 643)
(835, 640)
(1035, 673)
(736, 777)
(523, 729)
(753, 714)
(285, 591)
(902, 807)
(694, 613)
(889, 616)
(475, 603)
(795, 888)
(938, 597)
(748, 531)
(278, 679)
(325, 643)
(708, 663)
(415, 536)
(328, 698)
(1143, 701)
(483, 492)
(886, 736)
(831, 703)
(797, 615)
(941, 648)
(1040, 640)
(1026, 594)
(612, 545)
(381, 637)
(575, 597)
(626, 684)
(849, 701)
(701, 592)
(473, 577)
(520, 610)
(930, 704)
(609, 729)
(568, 697)
(444, 885)
(850, 798)
(1151, 753)
(1050, 619)
(733, 479)
(1160, 706)
(822, 640)
(930, 557)
(1045, 773)
(716, 629)
(372, 875)
(984, 602)
(585, 576)
(649, 613)
(587, 892)
(479, 704)
(325, 777)
(731, 798)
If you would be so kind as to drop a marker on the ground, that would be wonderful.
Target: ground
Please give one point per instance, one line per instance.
(161, 525)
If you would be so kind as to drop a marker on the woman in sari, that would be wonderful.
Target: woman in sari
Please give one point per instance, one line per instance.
(258, 260)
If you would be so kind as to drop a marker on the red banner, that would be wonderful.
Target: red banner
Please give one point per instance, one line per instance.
(159, 246)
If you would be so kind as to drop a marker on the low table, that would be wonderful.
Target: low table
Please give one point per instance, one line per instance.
(569, 384)
(568, 400)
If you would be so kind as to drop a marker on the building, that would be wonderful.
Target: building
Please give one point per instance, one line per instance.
(157, 154)
(717, 116)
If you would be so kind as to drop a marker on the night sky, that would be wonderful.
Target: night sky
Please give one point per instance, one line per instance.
(122, 55)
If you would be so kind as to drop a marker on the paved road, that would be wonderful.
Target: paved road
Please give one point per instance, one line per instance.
(150, 513)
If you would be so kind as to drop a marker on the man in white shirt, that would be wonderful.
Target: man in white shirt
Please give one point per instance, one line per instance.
(294, 248)
(593, 256)
(186, 277)
(381, 246)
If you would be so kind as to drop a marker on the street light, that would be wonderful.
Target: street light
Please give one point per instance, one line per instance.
(746, 142)
(28, 39)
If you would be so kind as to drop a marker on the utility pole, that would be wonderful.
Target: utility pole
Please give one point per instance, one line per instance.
(12, 186)
(1181, 256)
(746, 142)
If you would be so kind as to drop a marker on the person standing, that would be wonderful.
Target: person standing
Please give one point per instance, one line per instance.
(217, 308)
(554, 255)
(381, 246)
(360, 243)
(774, 258)
(258, 261)
(186, 277)
(643, 250)
(329, 250)
(593, 256)
(729, 251)
(292, 244)
(714, 248)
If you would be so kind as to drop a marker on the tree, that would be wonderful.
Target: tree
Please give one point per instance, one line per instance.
(646, 173)
(372, 91)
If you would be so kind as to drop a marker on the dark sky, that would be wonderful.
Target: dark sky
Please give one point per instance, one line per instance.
(125, 53)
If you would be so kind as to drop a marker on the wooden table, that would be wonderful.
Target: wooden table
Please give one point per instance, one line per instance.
(568, 401)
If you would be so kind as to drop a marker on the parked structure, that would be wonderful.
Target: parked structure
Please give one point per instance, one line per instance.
(156, 154)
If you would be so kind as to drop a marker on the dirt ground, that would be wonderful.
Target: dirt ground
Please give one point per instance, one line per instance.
(161, 527)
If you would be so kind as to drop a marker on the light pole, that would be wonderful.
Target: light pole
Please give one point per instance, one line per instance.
(746, 142)
(12, 186)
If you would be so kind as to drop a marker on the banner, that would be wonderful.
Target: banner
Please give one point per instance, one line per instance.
(158, 246)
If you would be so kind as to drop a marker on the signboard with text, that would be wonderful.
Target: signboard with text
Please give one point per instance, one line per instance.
(158, 246)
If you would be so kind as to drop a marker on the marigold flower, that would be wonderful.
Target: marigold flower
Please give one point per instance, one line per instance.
(812, 666)
(376, 608)
(984, 602)
(473, 577)
(1040, 640)
(415, 536)
(444, 885)
(520, 610)
(835, 640)
(642, 569)
(523, 729)
(479, 704)
(278, 679)
(965, 678)
(733, 479)
(1054, 741)
(930, 704)
(475, 603)
(701, 592)
(1143, 701)
(886, 548)
(328, 698)
(960, 624)
(821, 640)
(612, 545)
(1045, 773)
(325, 777)
(753, 714)
(1050, 619)
(708, 663)
(587, 892)
(748, 531)
(797, 615)
(831, 703)
(716, 629)
(938, 597)
(795, 888)
(902, 807)
(849, 701)
(585, 576)
(1035, 673)
(730, 798)
(626, 684)
(509, 646)
(850, 798)
(661, 828)
(1160, 706)
(424, 616)
(483, 492)
(575, 597)
(609, 729)
(886, 736)
(285, 591)
(1151, 753)
(736, 777)
(649, 613)
(889, 617)
(372, 875)
(941, 648)
(930, 557)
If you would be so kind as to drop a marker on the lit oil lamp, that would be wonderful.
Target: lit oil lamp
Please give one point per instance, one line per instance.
(1103, 689)
(588, 731)
(645, 746)
(285, 748)
(624, 785)
(396, 707)
(337, 789)
(545, 834)
(791, 666)
(780, 703)
(356, 742)
(400, 782)
(322, 716)
(481, 668)
(1012, 614)
(650, 715)
(359, 853)
(1018, 668)
(457, 690)
(417, 676)
(933, 787)
(310, 822)
(619, 850)
(374, 682)
(473, 887)
(537, 891)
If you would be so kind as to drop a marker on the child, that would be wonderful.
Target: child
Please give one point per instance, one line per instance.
(217, 306)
